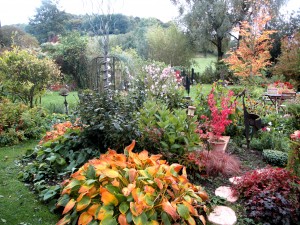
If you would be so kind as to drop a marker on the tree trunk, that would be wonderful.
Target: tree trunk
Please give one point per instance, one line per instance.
(219, 48)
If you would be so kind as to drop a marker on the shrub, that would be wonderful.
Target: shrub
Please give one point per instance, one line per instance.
(47, 165)
(294, 154)
(171, 133)
(275, 158)
(131, 188)
(214, 163)
(110, 117)
(272, 195)
(19, 123)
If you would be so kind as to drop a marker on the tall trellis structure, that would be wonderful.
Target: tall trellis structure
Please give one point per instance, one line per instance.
(107, 73)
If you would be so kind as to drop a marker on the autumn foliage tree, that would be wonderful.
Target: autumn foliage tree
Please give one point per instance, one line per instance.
(289, 60)
(252, 54)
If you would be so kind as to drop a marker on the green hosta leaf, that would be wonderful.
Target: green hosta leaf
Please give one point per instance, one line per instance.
(141, 219)
(112, 189)
(129, 217)
(63, 200)
(91, 173)
(49, 194)
(149, 200)
(165, 218)
(52, 157)
(73, 184)
(183, 211)
(94, 223)
(108, 220)
(60, 161)
(90, 181)
(124, 206)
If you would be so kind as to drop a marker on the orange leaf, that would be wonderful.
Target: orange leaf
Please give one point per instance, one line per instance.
(110, 173)
(177, 167)
(168, 208)
(84, 202)
(136, 209)
(107, 198)
(130, 147)
(191, 221)
(143, 155)
(149, 189)
(69, 206)
(132, 174)
(65, 220)
(122, 220)
(203, 195)
(192, 210)
(127, 190)
(201, 217)
(93, 209)
(84, 218)
(158, 183)
(115, 183)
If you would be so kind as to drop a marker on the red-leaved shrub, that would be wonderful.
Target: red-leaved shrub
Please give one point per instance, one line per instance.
(271, 195)
(214, 163)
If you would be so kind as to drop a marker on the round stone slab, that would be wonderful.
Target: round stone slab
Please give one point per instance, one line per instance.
(226, 192)
(222, 215)
(235, 180)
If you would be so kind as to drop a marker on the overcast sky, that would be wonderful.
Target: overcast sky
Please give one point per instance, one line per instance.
(18, 11)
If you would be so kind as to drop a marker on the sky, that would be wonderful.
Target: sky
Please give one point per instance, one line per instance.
(19, 11)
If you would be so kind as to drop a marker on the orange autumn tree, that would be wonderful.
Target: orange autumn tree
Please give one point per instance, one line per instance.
(252, 54)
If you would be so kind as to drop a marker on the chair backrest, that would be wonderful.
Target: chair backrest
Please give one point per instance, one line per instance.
(272, 91)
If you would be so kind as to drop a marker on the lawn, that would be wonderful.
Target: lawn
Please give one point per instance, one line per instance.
(17, 204)
(52, 101)
(202, 62)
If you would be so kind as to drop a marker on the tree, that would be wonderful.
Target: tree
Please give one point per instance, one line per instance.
(48, 22)
(10, 35)
(252, 54)
(70, 54)
(170, 46)
(289, 60)
(211, 21)
(25, 75)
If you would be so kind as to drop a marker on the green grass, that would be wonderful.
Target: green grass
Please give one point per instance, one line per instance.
(17, 204)
(202, 62)
(55, 103)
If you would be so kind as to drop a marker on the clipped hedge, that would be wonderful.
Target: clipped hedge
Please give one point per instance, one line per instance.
(275, 158)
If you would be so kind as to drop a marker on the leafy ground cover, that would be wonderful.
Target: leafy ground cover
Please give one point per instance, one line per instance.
(17, 204)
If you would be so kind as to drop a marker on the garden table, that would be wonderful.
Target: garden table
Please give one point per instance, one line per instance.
(278, 99)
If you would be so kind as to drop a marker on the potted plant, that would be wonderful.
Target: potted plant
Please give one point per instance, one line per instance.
(214, 125)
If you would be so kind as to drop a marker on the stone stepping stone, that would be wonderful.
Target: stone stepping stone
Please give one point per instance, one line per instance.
(222, 215)
(234, 180)
(226, 192)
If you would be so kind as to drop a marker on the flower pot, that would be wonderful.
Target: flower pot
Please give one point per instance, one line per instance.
(220, 144)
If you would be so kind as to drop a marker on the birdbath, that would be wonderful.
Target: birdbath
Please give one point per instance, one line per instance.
(65, 92)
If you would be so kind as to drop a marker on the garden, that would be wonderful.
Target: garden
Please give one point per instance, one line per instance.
(88, 137)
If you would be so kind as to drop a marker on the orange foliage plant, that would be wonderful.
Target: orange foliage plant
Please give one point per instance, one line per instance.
(58, 130)
(252, 55)
(131, 188)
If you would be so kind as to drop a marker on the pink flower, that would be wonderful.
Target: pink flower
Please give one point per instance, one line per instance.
(295, 135)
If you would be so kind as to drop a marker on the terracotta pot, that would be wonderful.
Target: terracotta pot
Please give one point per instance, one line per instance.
(219, 145)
